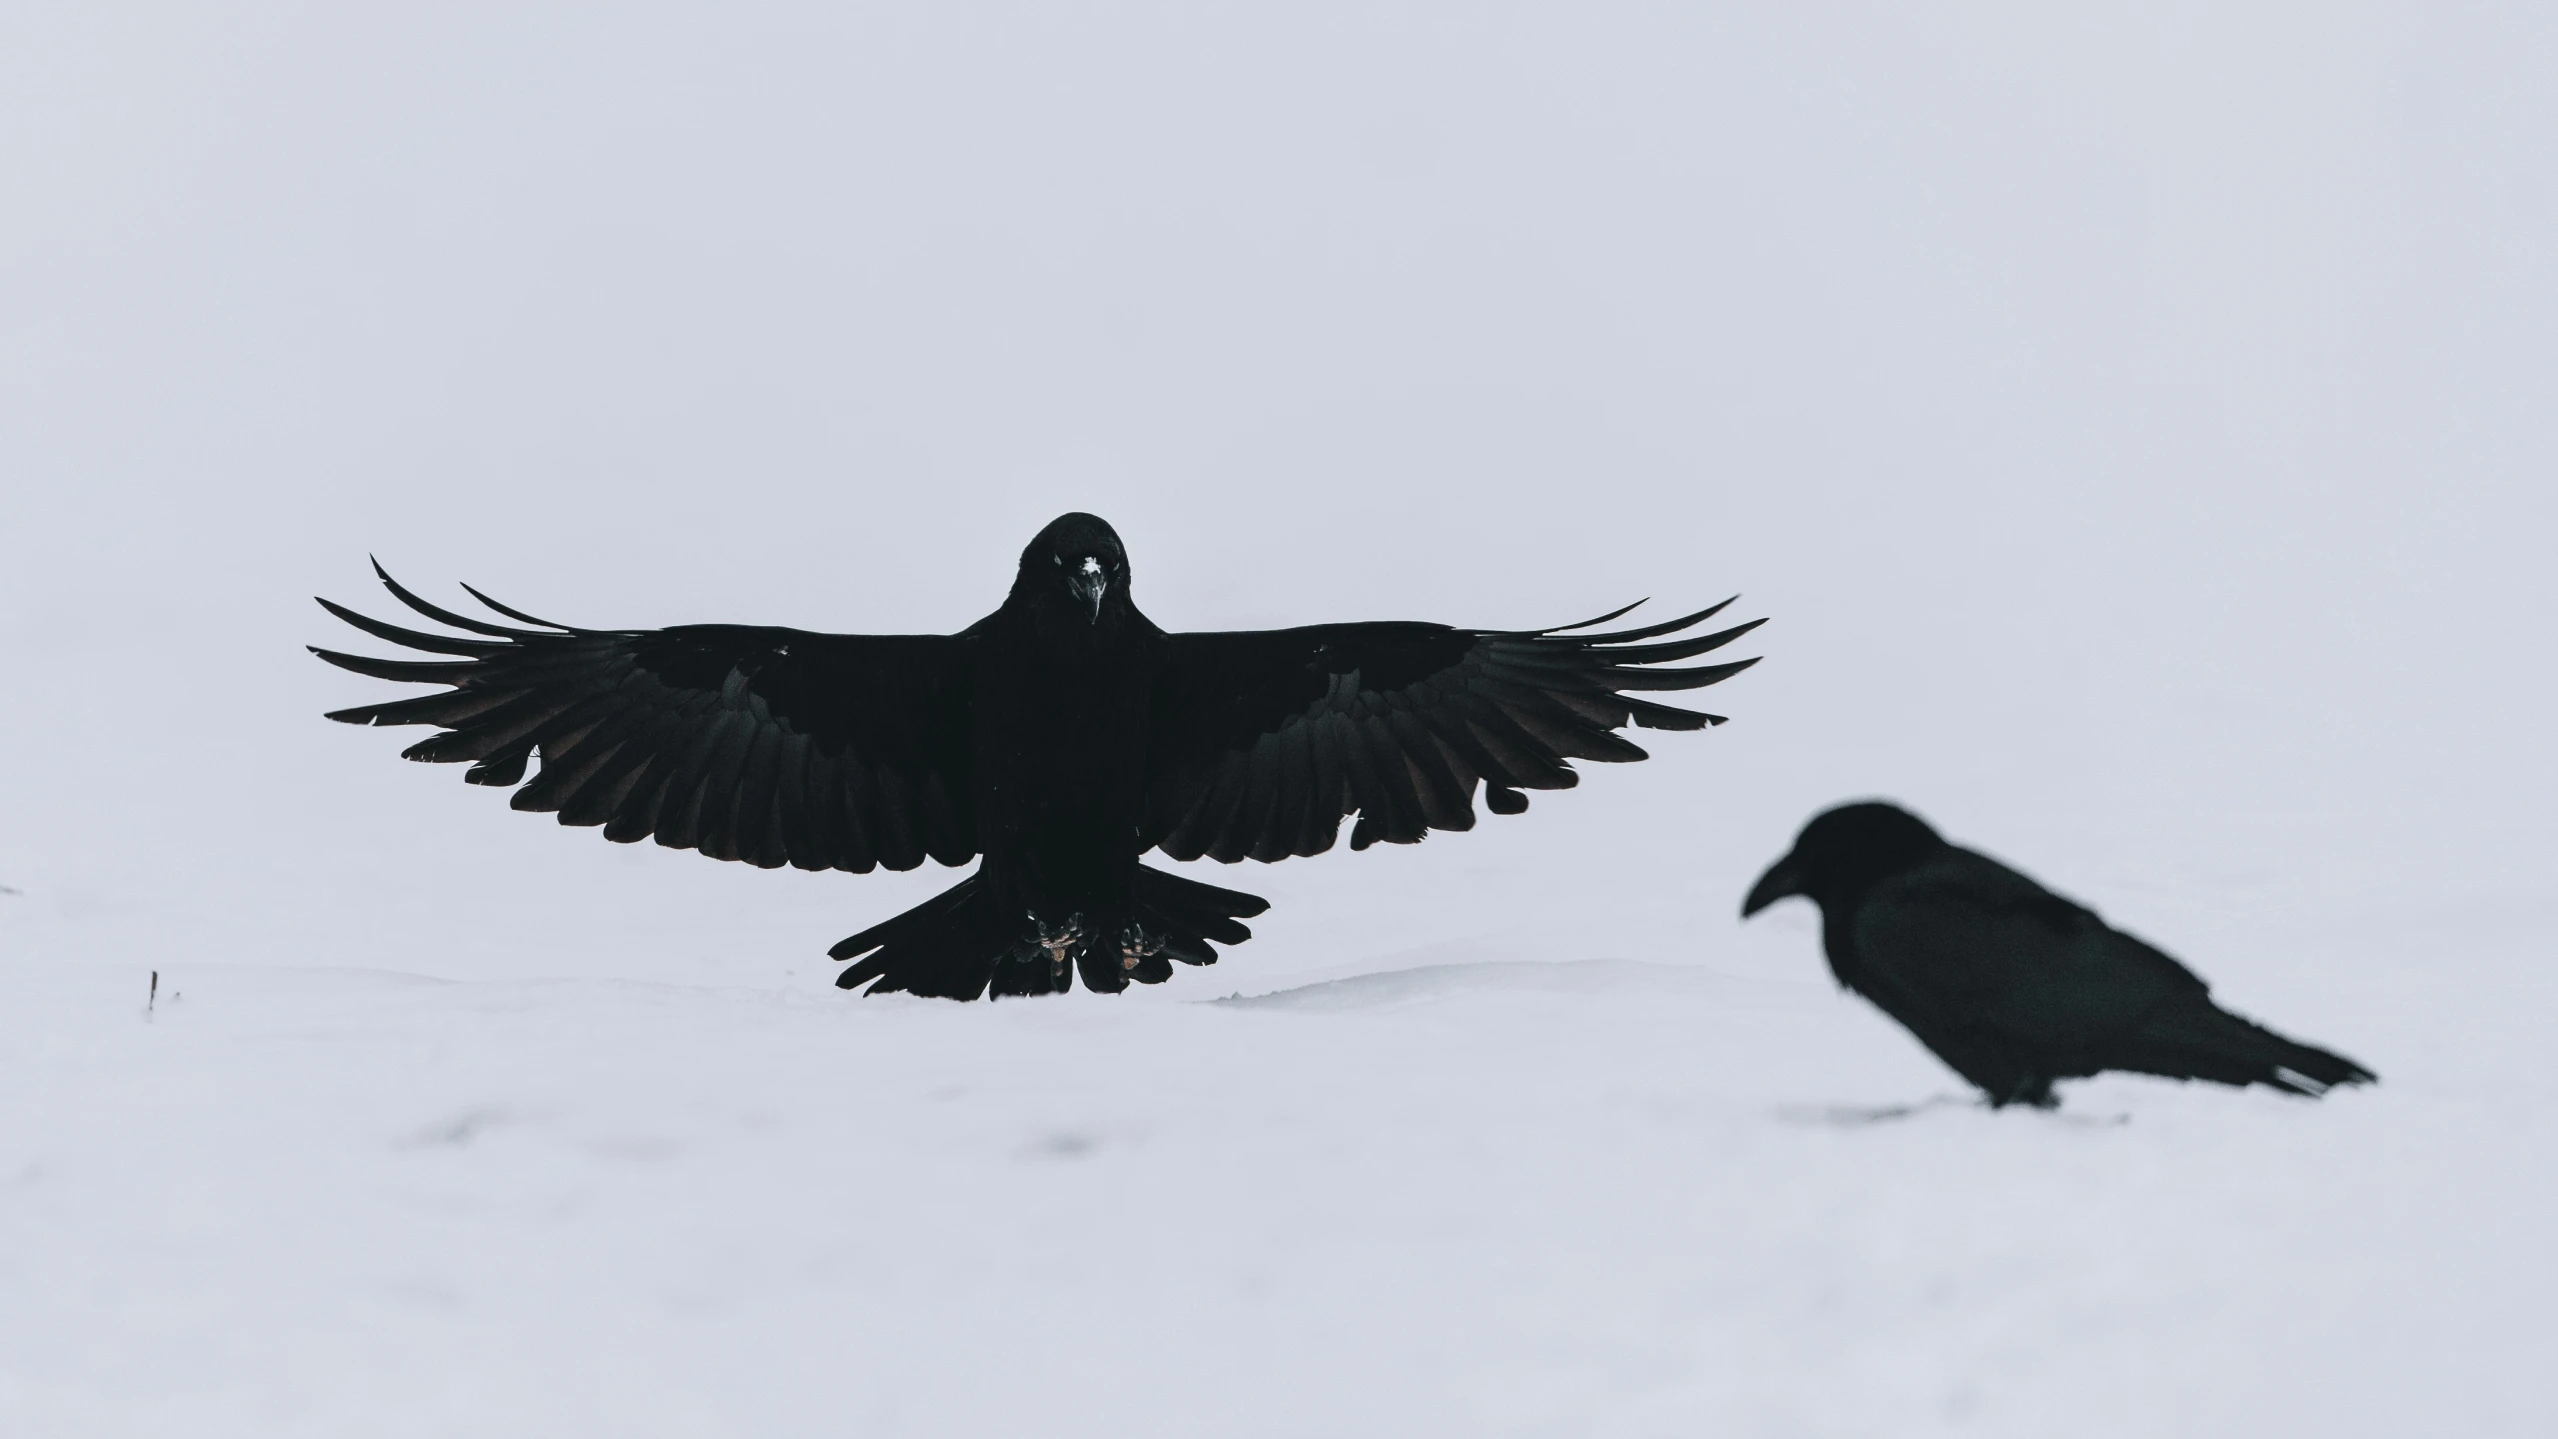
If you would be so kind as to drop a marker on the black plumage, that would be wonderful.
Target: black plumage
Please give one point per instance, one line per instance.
(1060, 738)
(2009, 983)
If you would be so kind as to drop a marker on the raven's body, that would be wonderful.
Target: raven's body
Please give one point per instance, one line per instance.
(1060, 738)
(2011, 985)
(1061, 728)
(1060, 724)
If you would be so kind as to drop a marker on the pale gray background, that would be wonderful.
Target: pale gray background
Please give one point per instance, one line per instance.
(2134, 419)
(2135, 425)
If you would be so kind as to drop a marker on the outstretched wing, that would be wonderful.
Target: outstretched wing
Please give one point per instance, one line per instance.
(1263, 741)
(773, 746)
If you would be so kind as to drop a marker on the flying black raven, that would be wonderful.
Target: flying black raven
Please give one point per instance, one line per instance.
(2009, 983)
(1060, 737)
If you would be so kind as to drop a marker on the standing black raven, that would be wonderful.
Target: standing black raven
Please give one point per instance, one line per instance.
(2009, 983)
(1060, 737)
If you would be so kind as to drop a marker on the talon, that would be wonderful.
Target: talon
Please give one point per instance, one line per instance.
(1057, 942)
(1136, 946)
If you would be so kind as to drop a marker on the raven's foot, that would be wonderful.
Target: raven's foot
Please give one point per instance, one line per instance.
(1055, 943)
(1137, 944)
(2033, 1091)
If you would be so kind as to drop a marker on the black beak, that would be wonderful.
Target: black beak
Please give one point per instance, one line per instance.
(1781, 881)
(1089, 580)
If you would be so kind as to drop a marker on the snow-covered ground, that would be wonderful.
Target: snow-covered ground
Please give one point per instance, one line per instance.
(1599, 1196)
(2135, 427)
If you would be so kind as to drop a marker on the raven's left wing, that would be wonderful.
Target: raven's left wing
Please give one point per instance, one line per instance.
(1263, 741)
(772, 746)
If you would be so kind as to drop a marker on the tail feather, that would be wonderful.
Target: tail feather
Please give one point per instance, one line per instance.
(959, 943)
(2204, 1041)
(1193, 912)
(944, 948)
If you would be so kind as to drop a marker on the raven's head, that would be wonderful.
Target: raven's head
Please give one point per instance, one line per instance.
(1843, 852)
(1078, 562)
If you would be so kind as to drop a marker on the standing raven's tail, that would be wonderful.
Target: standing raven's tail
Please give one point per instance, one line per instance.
(963, 942)
(2200, 1040)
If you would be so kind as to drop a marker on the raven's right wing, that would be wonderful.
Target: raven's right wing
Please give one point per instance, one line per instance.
(1978, 944)
(772, 746)
(1264, 740)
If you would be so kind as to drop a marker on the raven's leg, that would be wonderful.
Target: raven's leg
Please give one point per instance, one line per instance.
(2003, 1075)
(1056, 943)
(1142, 954)
(2029, 1089)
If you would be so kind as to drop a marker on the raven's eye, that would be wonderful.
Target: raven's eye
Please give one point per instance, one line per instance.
(1056, 559)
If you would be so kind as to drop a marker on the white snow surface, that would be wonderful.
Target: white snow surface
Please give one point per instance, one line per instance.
(2135, 425)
